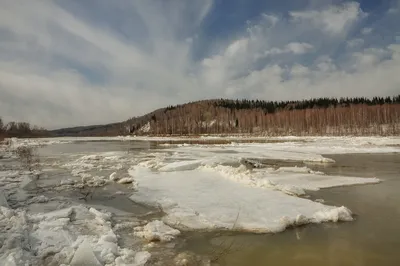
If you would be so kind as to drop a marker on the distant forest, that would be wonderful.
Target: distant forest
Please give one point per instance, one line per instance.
(272, 107)
(321, 116)
(21, 130)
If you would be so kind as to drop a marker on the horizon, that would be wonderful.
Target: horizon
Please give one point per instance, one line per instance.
(67, 64)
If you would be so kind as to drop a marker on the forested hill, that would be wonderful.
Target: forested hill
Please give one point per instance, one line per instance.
(322, 116)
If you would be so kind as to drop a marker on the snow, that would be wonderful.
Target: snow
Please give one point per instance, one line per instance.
(141, 258)
(38, 142)
(346, 142)
(203, 200)
(156, 231)
(86, 167)
(306, 149)
(146, 128)
(317, 181)
(101, 216)
(126, 180)
(73, 236)
(84, 256)
(199, 188)
(196, 186)
(290, 180)
(255, 151)
(181, 166)
(296, 169)
(113, 176)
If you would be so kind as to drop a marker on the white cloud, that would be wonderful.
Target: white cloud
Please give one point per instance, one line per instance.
(366, 31)
(293, 47)
(298, 48)
(370, 57)
(298, 70)
(53, 43)
(60, 69)
(355, 43)
(271, 18)
(373, 76)
(334, 19)
(237, 47)
(325, 64)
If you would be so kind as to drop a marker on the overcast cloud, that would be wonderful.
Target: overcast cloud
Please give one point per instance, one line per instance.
(66, 63)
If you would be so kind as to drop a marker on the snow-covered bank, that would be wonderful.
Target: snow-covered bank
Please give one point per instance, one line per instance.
(328, 140)
(35, 142)
(337, 140)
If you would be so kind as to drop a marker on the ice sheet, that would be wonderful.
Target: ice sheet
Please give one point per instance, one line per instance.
(295, 148)
(181, 166)
(317, 181)
(259, 151)
(203, 200)
(291, 180)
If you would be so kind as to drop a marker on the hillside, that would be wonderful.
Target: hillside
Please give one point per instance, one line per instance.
(323, 116)
(114, 129)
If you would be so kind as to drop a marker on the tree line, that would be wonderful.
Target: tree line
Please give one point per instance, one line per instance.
(273, 106)
(21, 130)
(322, 116)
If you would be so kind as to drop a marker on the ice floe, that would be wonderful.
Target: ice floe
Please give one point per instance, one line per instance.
(84, 256)
(203, 200)
(201, 187)
(113, 176)
(156, 231)
(290, 180)
(73, 236)
(3, 199)
(126, 180)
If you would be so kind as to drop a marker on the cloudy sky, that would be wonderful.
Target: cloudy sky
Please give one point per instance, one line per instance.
(66, 63)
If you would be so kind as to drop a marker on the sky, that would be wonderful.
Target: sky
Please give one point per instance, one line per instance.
(70, 63)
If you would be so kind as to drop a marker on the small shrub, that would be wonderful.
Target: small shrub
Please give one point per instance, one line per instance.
(224, 248)
(28, 157)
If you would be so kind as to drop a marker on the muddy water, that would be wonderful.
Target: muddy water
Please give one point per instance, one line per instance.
(113, 196)
(372, 239)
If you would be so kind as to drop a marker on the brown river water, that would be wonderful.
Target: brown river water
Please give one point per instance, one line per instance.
(372, 239)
